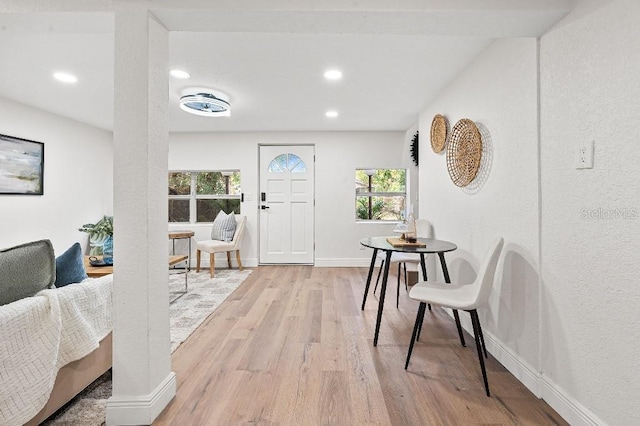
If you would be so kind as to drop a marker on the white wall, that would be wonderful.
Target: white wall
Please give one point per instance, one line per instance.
(590, 91)
(498, 91)
(337, 157)
(563, 317)
(78, 185)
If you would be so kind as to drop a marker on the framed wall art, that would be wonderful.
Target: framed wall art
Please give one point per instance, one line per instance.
(21, 166)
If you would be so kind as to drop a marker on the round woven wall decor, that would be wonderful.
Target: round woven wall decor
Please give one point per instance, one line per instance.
(438, 133)
(464, 152)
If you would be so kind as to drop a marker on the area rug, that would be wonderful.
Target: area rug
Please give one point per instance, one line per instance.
(186, 313)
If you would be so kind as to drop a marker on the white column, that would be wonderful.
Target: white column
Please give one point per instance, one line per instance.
(143, 383)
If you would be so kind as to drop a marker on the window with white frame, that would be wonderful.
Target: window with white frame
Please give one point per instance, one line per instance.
(380, 194)
(196, 197)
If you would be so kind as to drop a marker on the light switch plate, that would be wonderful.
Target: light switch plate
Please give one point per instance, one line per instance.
(584, 155)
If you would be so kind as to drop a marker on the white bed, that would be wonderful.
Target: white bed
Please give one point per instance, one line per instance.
(57, 330)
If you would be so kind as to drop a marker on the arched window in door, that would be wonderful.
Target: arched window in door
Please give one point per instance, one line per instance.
(287, 162)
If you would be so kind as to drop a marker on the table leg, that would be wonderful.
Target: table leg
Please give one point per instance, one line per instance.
(366, 287)
(445, 271)
(173, 251)
(189, 257)
(383, 291)
(423, 265)
(186, 278)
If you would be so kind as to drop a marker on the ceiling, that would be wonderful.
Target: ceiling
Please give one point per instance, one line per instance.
(270, 61)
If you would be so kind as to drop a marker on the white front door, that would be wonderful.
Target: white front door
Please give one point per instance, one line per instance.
(286, 204)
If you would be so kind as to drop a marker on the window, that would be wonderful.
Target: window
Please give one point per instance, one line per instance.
(289, 162)
(196, 197)
(380, 194)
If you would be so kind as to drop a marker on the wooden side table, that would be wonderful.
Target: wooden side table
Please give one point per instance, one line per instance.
(96, 271)
(180, 235)
(101, 271)
(174, 260)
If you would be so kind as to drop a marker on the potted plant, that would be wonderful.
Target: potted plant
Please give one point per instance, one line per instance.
(100, 235)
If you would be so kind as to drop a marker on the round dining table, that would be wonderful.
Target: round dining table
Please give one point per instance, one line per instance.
(423, 246)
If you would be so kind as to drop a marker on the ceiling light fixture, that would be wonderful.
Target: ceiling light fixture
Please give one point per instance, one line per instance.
(333, 74)
(205, 102)
(331, 114)
(65, 77)
(179, 74)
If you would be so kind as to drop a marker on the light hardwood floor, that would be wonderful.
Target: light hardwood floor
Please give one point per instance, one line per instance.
(291, 347)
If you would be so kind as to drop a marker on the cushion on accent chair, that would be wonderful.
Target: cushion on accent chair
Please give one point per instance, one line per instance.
(224, 226)
(25, 270)
(70, 266)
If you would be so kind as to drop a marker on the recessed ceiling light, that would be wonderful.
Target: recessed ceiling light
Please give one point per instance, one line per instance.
(65, 77)
(331, 114)
(180, 74)
(205, 102)
(333, 74)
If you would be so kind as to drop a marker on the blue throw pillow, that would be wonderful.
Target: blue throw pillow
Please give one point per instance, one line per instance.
(70, 266)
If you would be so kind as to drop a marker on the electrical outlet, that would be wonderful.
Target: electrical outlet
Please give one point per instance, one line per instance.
(584, 159)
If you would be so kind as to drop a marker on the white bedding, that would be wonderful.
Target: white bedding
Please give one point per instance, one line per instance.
(41, 334)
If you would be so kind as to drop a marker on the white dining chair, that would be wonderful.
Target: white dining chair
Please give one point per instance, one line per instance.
(467, 297)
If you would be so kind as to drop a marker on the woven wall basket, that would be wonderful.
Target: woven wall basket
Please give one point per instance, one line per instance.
(464, 152)
(439, 128)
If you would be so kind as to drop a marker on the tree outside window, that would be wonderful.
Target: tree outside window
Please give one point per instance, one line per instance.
(196, 197)
(380, 194)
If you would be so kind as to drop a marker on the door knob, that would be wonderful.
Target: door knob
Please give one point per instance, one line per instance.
(264, 207)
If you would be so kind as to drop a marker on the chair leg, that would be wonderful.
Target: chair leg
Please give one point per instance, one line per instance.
(459, 326)
(212, 264)
(378, 279)
(415, 332)
(484, 348)
(229, 259)
(398, 288)
(421, 321)
(476, 331)
(198, 261)
(238, 259)
(406, 281)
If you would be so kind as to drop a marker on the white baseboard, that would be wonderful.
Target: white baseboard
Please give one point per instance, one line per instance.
(143, 409)
(319, 262)
(570, 409)
(342, 262)
(222, 262)
(522, 370)
(541, 386)
(355, 262)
